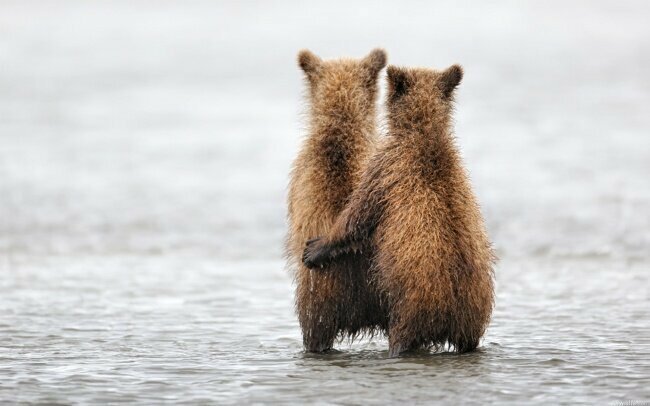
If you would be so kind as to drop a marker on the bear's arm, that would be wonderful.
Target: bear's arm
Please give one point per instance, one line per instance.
(353, 228)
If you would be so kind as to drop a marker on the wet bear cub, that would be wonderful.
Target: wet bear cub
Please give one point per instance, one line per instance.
(415, 216)
(341, 137)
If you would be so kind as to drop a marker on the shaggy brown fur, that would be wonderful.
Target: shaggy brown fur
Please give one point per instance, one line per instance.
(342, 133)
(416, 212)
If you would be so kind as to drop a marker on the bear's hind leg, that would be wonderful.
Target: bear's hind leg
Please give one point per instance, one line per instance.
(319, 330)
(318, 338)
(318, 321)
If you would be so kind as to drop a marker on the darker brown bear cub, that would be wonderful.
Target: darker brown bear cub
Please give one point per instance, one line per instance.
(415, 212)
(341, 138)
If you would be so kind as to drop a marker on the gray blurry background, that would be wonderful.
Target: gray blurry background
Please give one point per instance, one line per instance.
(144, 156)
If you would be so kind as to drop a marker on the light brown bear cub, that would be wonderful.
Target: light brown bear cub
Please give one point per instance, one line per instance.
(416, 213)
(342, 135)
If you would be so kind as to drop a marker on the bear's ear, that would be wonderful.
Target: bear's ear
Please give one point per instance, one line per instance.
(398, 82)
(375, 61)
(449, 79)
(309, 63)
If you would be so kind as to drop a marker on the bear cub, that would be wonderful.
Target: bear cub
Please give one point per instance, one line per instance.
(341, 137)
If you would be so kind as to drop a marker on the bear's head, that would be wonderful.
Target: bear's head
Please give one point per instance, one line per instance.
(343, 88)
(421, 97)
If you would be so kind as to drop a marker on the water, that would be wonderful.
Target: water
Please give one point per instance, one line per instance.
(144, 152)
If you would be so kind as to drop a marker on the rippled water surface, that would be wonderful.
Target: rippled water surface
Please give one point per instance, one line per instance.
(144, 153)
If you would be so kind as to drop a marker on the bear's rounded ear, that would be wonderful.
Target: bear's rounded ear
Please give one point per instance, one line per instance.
(449, 79)
(398, 82)
(308, 62)
(375, 61)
